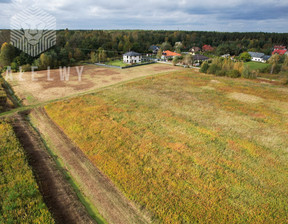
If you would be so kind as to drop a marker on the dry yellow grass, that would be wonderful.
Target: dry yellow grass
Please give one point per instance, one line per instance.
(93, 77)
(188, 153)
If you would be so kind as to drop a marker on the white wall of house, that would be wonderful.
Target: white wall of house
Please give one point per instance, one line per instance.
(258, 59)
(131, 59)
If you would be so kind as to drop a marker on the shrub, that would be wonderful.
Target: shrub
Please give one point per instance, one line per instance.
(26, 68)
(175, 61)
(239, 66)
(221, 73)
(227, 64)
(247, 74)
(213, 69)
(204, 67)
(233, 74)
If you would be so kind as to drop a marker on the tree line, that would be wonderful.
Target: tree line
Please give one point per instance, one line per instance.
(74, 46)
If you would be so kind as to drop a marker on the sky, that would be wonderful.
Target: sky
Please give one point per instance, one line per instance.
(191, 15)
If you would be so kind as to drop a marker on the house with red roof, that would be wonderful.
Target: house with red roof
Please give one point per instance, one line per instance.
(207, 48)
(279, 49)
(169, 54)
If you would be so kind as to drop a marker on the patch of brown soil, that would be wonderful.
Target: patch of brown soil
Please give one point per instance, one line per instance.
(163, 68)
(246, 98)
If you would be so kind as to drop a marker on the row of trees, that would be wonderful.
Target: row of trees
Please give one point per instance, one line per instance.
(74, 46)
(227, 67)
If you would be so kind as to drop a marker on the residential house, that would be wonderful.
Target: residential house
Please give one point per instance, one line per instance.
(279, 49)
(132, 57)
(154, 49)
(207, 48)
(259, 57)
(169, 54)
(225, 56)
(194, 50)
(200, 58)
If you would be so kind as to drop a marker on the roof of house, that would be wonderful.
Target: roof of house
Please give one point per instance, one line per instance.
(266, 57)
(170, 54)
(280, 52)
(256, 54)
(207, 48)
(199, 57)
(153, 48)
(132, 53)
(279, 47)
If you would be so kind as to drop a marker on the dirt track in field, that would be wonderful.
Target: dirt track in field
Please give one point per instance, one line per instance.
(58, 195)
(110, 202)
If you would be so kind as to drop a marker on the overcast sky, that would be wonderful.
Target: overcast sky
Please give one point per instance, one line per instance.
(202, 15)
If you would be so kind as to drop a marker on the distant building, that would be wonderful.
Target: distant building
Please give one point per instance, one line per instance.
(225, 56)
(194, 50)
(169, 54)
(207, 48)
(199, 58)
(132, 57)
(279, 49)
(154, 49)
(259, 57)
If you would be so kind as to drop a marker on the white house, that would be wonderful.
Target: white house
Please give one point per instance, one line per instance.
(132, 57)
(259, 57)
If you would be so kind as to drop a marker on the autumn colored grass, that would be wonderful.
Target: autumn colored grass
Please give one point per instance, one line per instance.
(20, 199)
(189, 147)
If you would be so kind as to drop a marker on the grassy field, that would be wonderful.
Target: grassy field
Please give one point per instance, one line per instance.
(93, 77)
(189, 147)
(256, 65)
(117, 63)
(20, 199)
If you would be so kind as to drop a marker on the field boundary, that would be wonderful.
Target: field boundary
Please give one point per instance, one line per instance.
(128, 66)
(58, 194)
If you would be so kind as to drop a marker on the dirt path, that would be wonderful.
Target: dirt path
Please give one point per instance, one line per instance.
(58, 195)
(110, 202)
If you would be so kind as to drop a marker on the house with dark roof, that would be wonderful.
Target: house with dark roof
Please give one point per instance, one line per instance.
(199, 58)
(132, 57)
(259, 57)
(154, 49)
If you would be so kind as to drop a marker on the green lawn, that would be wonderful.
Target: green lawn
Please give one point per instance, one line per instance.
(190, 148)
(117, 63)
(256, 65)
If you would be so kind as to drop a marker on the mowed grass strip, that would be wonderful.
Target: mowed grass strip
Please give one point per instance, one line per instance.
(186, 148)
(20, 199)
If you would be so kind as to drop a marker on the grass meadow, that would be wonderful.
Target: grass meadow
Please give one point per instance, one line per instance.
(189, 147)
(119, 63)
(20, 199)
(256, 65)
